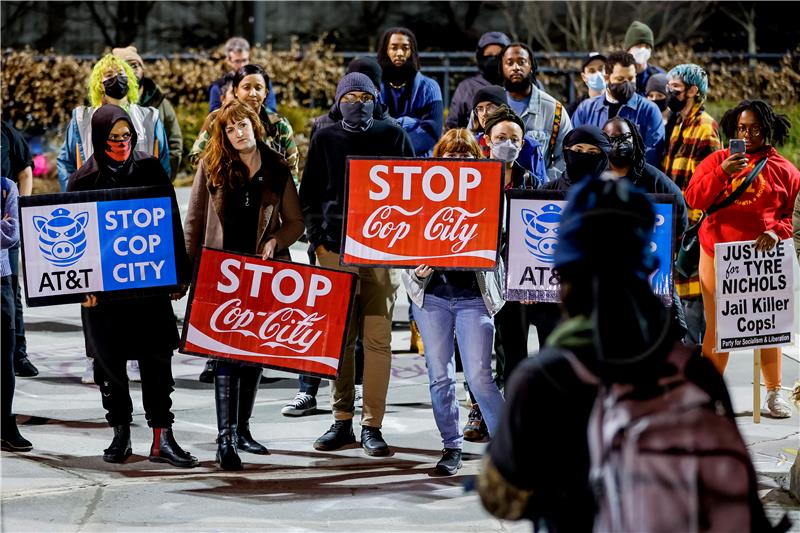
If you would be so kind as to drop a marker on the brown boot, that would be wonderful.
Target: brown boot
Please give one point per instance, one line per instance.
(416, 339)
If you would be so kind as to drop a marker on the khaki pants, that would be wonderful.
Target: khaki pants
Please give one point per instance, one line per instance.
(372, 319)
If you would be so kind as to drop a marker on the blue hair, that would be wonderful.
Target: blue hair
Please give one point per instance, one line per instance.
(691, 74)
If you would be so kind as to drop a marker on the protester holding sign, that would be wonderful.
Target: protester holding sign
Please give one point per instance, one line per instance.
(141, 328)
(460, 303)
(322, 196)
(762, 213)
(243, 200)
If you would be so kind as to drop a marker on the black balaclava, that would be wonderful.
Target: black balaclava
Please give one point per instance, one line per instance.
(114, 158)
(580, 165)
(605, 234)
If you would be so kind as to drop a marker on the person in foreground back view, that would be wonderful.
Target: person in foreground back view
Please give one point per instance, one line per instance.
(615, 332)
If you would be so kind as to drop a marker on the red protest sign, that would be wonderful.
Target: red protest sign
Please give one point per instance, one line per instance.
(406, 212)
(277, 314)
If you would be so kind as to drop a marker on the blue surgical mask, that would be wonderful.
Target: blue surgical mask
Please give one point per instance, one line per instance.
(596, 81)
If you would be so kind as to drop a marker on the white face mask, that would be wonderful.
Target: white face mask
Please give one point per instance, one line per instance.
(641, 54)
(506, 151)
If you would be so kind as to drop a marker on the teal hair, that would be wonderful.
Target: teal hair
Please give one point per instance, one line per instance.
(691, 74)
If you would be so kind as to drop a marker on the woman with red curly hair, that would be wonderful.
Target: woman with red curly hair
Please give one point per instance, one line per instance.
(243, 200)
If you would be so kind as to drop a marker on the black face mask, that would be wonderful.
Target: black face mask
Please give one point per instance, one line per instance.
(490, 68)
(661, 104)
(621, 153)
(116, 87)
(622, 92)
(674, 104)
(580, 165)
(358, 115)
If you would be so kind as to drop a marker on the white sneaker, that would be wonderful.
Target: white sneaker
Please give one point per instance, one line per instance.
(88, 373)
(777, 406)
(359, 396)
(133, 371)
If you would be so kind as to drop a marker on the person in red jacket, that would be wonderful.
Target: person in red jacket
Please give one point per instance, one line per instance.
(763, 213)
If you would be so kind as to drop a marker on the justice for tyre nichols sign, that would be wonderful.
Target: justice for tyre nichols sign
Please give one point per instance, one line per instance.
(755, 298)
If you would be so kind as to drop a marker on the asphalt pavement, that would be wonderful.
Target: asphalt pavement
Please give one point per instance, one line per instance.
(64, 485)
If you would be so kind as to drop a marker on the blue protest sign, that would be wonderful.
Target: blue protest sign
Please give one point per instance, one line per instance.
(110, 241)
(533, 220)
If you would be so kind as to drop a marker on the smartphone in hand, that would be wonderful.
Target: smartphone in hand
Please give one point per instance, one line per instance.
(736, 146)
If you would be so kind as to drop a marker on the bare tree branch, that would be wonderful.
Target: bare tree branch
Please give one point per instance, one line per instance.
(98, 20)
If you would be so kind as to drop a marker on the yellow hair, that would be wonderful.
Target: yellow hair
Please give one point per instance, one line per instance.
(111, 62)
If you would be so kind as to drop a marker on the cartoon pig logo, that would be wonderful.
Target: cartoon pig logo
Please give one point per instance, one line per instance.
(62, 239)
(541, 231)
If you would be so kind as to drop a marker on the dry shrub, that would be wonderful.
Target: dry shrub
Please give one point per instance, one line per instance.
(41, 90)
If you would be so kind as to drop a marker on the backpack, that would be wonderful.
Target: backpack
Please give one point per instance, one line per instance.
(666, 458)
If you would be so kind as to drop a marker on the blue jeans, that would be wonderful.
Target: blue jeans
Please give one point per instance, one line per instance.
(437, 319)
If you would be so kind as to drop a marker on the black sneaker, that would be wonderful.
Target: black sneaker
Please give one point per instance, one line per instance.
(339, 435)
(23, 368)
(450, 462)
(302, 404)
(373, 443)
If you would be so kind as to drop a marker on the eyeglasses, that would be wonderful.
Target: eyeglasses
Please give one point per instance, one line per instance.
(485, 109)
(119, 138)
(752, 131)
(353, 99)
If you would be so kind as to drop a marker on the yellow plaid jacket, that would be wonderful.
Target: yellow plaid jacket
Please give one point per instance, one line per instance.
(692, 140)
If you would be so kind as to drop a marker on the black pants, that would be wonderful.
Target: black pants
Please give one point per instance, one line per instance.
(310, 384)
(513, 322)
(157, 385)
(21, 346)
(7, 335)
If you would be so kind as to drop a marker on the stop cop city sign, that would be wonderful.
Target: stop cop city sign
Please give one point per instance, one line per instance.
(271, 313)
(114, 241)
(404, 212)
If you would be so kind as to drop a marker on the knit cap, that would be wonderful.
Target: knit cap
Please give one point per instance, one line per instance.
(369, 66)
(355, 81)
(638, 33)
(657, 83)
(129, 54)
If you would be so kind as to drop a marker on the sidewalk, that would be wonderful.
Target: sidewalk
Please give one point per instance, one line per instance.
(64, 485)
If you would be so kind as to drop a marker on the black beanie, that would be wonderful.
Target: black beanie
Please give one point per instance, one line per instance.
(367, 66)
(492, 93)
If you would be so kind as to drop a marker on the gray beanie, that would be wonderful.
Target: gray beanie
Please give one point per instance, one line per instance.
(657, 83)
(355, 81)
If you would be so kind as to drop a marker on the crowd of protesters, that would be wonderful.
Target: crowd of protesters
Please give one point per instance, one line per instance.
(642, 129)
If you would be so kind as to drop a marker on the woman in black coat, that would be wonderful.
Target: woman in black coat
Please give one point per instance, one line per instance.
(141, 328)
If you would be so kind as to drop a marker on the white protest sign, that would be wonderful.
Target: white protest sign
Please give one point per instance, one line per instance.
(754, 295)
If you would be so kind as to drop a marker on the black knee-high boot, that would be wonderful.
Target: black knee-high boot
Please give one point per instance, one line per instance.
(248, 387)
(226, 390)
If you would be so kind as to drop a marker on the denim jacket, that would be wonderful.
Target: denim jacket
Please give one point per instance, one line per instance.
(490, 284)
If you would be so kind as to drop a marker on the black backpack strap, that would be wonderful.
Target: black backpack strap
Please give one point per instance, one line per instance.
(740, 189)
